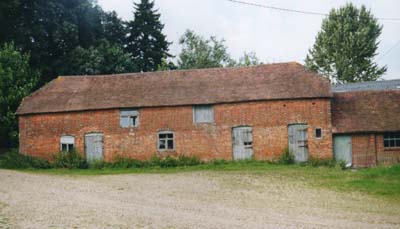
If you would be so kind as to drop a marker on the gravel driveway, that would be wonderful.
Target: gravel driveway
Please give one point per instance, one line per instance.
(183, 200)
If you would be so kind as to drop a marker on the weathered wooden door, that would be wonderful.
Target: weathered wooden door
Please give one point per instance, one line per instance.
(94, 147)
(242, 139)
(298, 141)
(342, 149)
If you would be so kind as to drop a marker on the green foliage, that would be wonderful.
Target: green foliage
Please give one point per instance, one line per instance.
(188, 160)
(287, 157)
(50, 30)
(115, 29)
(103, 59)
(169, 162)
(346, 46)
(13, 160)
(166, 65)
(219, 162)
(248, 59)
(147, 44)
(124, 162)
(342, 164)
(198, 52)
(17, 80)
(317, 162)
(98, 164)
(70, 160)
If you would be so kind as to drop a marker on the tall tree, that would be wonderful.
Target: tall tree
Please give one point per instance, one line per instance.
(147, 44)
(248, 59)
(199, 52)
(115, 29)
(345, 47)
(105, 58)
(17, 80)
(50, 30)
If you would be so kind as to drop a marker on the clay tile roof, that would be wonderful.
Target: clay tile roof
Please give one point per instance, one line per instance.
(366, 111)
(173, 88)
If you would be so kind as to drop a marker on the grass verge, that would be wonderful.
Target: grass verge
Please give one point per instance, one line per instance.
(379, 181)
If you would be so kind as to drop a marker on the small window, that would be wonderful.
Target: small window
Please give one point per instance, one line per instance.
(166, 141)
(67, 143)
(203, 114)
(129, 118)
(318, 133)
(391, 140)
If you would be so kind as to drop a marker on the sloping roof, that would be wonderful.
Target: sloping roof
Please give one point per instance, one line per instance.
(367, 86)
(366, 111)
(173, 88)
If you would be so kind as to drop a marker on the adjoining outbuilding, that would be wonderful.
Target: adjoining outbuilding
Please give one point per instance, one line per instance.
(367, 127)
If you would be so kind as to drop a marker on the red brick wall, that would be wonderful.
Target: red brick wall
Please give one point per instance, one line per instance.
(40, 134)
(368, 150)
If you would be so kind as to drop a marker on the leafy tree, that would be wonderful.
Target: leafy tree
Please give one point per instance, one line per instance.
(198, 52)
(50, 30)
(345, 47)
(146, 42)
(166, 65)
(103, 59)
(115, 29)
(248, 59)
(17, 80)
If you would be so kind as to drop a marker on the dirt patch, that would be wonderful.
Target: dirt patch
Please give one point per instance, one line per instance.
(184, 200)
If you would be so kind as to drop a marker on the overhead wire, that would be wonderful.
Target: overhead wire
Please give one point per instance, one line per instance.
(389, 50)
(297, 11)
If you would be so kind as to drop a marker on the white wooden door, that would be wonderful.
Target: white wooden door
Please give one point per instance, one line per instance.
(298, 141)
(94, 147)
(242, 139)
(342, 149)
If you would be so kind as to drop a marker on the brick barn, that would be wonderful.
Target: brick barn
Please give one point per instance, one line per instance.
(225, 113)
(366, 120)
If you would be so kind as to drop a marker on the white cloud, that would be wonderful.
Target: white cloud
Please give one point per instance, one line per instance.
(275, 36)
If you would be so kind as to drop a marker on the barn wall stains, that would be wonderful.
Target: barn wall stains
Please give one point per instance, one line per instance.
(269, 120)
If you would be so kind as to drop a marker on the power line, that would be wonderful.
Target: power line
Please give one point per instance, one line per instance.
(277, 8)
(389, 50)
(295, 11)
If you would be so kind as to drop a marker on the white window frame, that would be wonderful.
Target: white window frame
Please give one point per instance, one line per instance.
(195, 119)
(166, 139)
(131, 114)
(391, 138)
(67, 140)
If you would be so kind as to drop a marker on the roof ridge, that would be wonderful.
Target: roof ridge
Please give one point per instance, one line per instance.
(184, 70)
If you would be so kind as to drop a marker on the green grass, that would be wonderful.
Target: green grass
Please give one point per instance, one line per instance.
(379, 181)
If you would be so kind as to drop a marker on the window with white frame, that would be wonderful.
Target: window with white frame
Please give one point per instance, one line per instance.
(203, 114)
(166, 141)
(129, 118)
(67, 143)
(391, 140)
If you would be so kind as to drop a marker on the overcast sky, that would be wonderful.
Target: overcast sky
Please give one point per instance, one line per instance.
(275, 36)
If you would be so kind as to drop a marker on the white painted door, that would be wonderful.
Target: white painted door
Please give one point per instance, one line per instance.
(298, 141)
(342, 149)
(242, 139)
(94, 147)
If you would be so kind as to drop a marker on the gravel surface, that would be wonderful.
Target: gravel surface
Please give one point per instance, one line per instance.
(183, 200)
